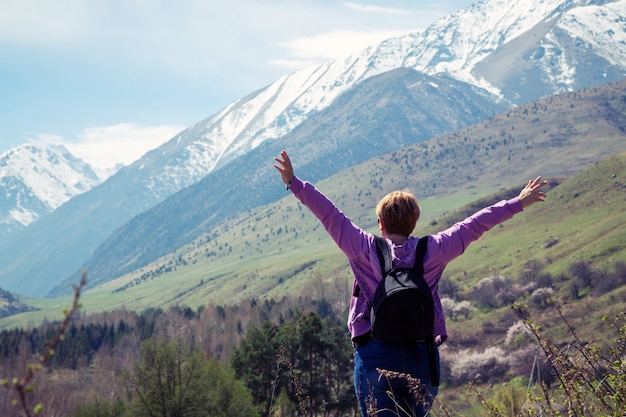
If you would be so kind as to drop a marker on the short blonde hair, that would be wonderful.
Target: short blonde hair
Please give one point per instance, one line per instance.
(399, 211)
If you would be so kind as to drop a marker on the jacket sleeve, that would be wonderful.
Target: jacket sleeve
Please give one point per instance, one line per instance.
(351, 239)
(453, 241)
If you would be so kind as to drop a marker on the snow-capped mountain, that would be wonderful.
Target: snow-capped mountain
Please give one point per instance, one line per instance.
(504, 52)
(35, 180)
(516, 51)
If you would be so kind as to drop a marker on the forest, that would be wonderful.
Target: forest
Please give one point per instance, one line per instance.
(294, 357)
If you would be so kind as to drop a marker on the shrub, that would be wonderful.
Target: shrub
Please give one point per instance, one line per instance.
(487, 290)
(479, 366)
(448, 288)
(497, 291)
(453, 309)
(541, 296)
(517, 335)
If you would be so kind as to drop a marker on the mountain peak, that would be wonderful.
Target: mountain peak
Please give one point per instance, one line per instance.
(36, 179)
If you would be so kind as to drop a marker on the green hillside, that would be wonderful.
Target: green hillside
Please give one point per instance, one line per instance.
(281, 250)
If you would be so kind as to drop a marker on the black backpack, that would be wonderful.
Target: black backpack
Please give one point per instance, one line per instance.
(403, 308)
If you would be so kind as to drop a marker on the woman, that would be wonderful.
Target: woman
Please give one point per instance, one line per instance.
(397, 213)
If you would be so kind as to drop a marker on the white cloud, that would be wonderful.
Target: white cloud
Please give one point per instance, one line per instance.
(309, 51)
(106, 146)
(332, 45)
(375, 9)
(196, 38)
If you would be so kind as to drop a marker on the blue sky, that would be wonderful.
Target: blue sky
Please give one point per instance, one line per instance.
(111, 79)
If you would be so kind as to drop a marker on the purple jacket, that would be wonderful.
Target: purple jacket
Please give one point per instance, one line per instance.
(359, 247)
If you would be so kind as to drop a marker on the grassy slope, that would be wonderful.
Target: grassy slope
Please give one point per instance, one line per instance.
(280, 250)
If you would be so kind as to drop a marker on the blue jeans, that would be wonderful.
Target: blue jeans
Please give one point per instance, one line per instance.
(389, 395)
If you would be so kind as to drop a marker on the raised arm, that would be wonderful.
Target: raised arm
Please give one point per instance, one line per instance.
(351, 239)
(453, 241)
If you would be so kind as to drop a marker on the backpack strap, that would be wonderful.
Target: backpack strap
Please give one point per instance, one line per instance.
(384, 258)
(420, 252)
(386, 261)
(384, 255)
